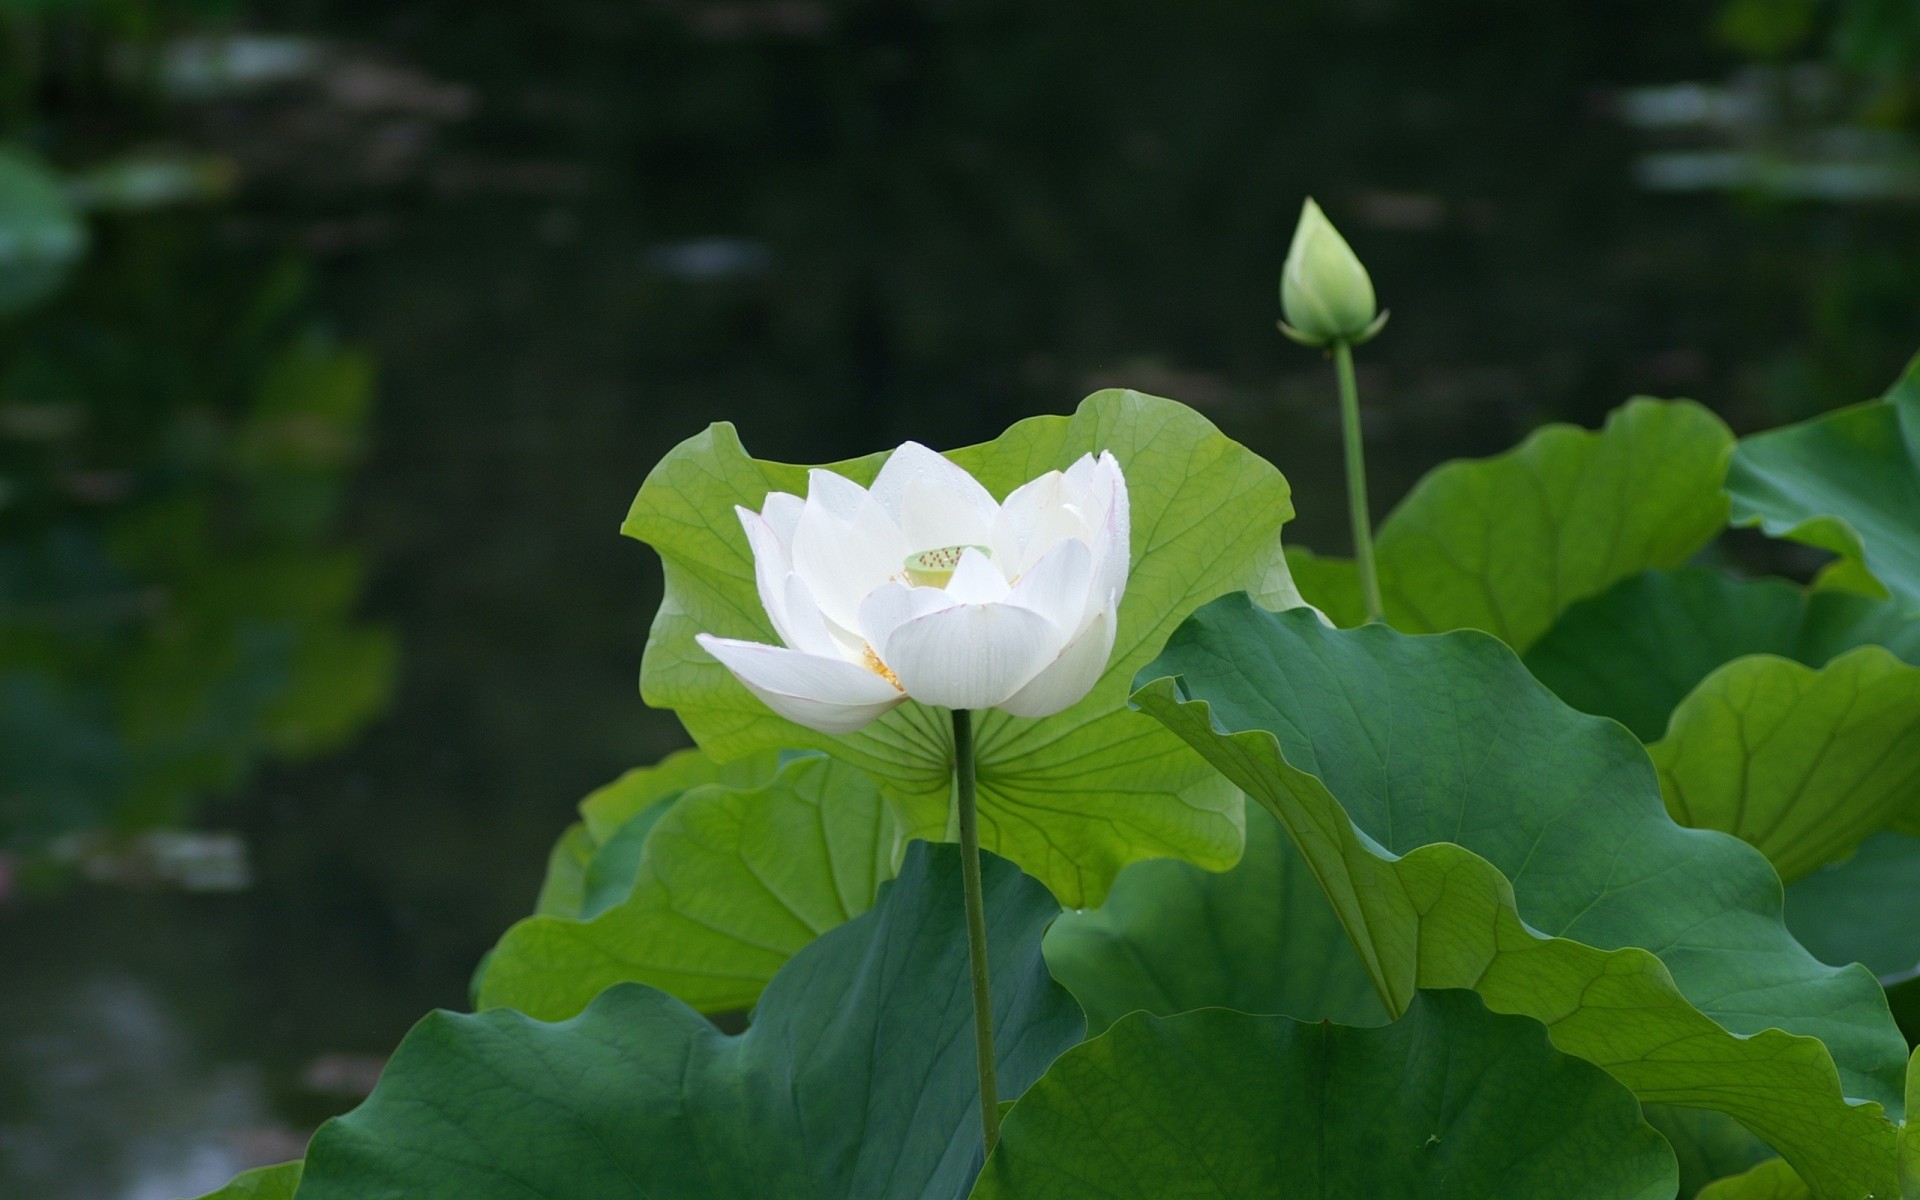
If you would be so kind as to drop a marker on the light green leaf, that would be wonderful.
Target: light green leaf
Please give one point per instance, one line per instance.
(1073, 797)
(1771, 1180)
(564, 888)
(1846, 912)
(1801, 764)
(1909, 1152)
(1259, 938)
(1848, 482)
(263, 1183)
(41, 233)
(731, 883)
(1419, 775)
(856, 1077)
(1634, 651)
(592, 866)
(1449, 1103)
(1505, 544)
(608, 808)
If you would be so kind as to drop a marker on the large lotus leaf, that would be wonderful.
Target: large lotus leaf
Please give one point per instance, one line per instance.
(1770, 1180)
(1473, 831)
(1802, 764)
(1634, 651)
(1866, 909)
(1848, 482)
(1707, 1145)
(1776, 1180)
(1505, 544)
(564, 889)
(1073, 797)
(1259, 937)
(731, 882)
(592, 865)
(856, 1077)
(1451, 1102)
(263, 1183)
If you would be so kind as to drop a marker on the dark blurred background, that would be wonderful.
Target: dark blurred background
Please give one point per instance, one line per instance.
(336, 335)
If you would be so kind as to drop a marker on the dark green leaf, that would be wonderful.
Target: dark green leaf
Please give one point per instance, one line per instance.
(856, 1077)
(1862, 910)
(1420, 775)
(1450, 1101)
(1171, 937)
(1848, 482)
(1634, 651)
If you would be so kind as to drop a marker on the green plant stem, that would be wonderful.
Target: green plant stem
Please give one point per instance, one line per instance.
(976, 923)
(1357, 480)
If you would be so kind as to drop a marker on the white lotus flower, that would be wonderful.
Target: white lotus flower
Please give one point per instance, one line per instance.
(923, 588)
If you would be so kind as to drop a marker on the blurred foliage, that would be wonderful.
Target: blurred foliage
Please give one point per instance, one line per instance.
(174, 606)
(1877, 38)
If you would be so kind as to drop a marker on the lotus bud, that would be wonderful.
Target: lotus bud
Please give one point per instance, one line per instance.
(1324, 291)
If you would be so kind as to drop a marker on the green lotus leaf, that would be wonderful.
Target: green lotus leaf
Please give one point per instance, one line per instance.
(1451, 1102)
(1777, 1180)
(856, 1077)
(263, 1183)
(1770, 1180)
(1634, 651)
(1473, 831)
(1505, 544)
(1801, 764)
(727, 885)
(1848, 482)
(1708, 1145)
(564, 888)
(1259, 937)
(1073, 797)
(1850, 912)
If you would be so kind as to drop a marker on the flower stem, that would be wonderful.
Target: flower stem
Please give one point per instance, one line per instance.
(1357, 479)
(976, 924)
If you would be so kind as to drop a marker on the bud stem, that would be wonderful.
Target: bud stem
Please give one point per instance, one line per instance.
(1357, 479)
(976, 923)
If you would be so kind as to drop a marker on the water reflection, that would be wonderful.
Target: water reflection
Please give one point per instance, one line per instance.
(564, 236)
(118, 1101)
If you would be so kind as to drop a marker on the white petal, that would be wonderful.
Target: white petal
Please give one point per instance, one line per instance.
(835, 493)
(971, 655)
(892, 605)
(844, 560)
(1113, 545)
(831, 695)
(1035, 518)
(976, 580)
(1071, 676)
(932, 519)
(782, 511)
(941, 477)
(770, 569)
(1057, 587)
(807, 629)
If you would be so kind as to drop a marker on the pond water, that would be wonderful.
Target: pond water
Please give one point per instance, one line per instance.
(311, 472)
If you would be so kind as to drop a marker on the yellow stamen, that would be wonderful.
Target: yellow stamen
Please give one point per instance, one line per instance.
(872, 662)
